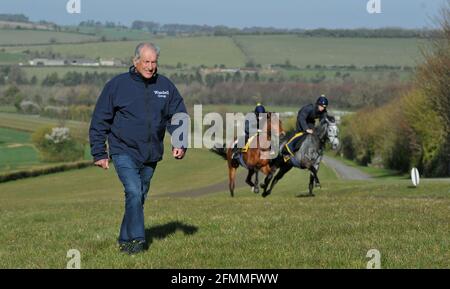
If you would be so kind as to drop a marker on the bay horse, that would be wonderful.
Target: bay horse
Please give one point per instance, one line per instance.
(257, 157)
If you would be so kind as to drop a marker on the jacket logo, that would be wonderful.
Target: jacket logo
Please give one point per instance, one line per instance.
(160, 93)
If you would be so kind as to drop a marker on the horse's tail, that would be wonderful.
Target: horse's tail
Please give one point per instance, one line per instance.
(221, 151)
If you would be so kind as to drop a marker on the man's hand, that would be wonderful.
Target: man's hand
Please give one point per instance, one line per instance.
(178, 153)
(102, 163)
(309, 131)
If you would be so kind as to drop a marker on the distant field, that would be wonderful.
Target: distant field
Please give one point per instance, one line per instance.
(302, 51)
(330, 74)
(264, 50)
(42, 72)
(22, 37)
(114, 33)
(11, 58)
(29, 123)
(16, 150)
(193, 51)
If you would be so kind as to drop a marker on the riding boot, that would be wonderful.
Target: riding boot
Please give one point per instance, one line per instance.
(235, 156)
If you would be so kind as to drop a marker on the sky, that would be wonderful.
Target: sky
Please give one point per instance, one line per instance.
(307, 14)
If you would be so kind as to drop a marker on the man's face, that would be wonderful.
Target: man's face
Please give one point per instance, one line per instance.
(321, 108)
(147, 64)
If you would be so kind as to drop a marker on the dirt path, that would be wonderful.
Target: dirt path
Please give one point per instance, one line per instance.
(344, 171)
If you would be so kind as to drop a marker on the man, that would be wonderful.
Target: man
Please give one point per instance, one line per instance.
(132, 113)
(306, 119)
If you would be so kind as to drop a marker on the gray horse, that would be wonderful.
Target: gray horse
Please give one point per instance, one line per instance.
(308, 156)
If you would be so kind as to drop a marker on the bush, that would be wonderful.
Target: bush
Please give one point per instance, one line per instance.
(57, 145)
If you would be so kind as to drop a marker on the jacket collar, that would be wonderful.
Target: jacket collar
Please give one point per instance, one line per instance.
(135, 75)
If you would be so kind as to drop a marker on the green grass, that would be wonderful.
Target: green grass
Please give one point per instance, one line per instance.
(236, 51)
(16, 150)
(18, 153)
(302, 51)
(42, 72)
(8, 108)
(192, 51)
(380, 75)
(115, 33)
(42, 218)
(11, 58)
(29, 123)
(23, 37)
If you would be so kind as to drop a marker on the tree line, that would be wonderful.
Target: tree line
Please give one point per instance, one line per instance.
(413, 130)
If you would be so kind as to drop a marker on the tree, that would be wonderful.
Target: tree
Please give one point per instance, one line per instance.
(56, 144)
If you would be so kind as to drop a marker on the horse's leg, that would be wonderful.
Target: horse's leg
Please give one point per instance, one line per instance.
(256, 187)
(232, 179)
(311, 183)
(267, 170)
(313, 177)
(283, 170)
(248, 180)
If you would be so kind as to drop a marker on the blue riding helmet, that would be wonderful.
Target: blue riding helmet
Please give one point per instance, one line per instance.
(322, 100)
(259, 109)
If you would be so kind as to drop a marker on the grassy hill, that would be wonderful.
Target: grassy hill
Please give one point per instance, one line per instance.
(21, 37)
(42, 218)
(192, 51)
(302, 51)
(265, 49)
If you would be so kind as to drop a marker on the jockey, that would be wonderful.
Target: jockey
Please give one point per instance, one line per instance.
(259, 109)
(306, 118)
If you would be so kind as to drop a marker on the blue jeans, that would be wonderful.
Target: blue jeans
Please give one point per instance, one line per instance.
(136, 182)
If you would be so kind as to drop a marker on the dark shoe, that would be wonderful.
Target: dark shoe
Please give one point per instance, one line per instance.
(136, 247)
(124, 247)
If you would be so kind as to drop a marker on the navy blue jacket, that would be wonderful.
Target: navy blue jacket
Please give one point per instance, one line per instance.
(307, 116)
(132, 113)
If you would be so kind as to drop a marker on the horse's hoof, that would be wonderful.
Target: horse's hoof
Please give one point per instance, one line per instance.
(265, 194)
(255, 189)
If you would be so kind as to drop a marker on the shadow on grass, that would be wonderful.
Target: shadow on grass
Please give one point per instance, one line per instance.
(163, 231)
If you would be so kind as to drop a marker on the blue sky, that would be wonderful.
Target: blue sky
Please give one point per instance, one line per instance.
(236, 13)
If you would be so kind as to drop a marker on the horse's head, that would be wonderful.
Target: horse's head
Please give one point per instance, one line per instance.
(330, 130)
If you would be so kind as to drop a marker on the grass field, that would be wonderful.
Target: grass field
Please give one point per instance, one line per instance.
(16, 150)
(29, 123)
(21, 37)
(114, 33)
(192, 51)
(273, 49)
(42, 72)
(11, 58)
(42, 218)
(302, 51)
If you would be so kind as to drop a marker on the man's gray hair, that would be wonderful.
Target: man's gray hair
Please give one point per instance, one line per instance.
(137, 51)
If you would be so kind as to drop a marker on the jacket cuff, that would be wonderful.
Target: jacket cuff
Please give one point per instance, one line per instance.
(101, 157)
